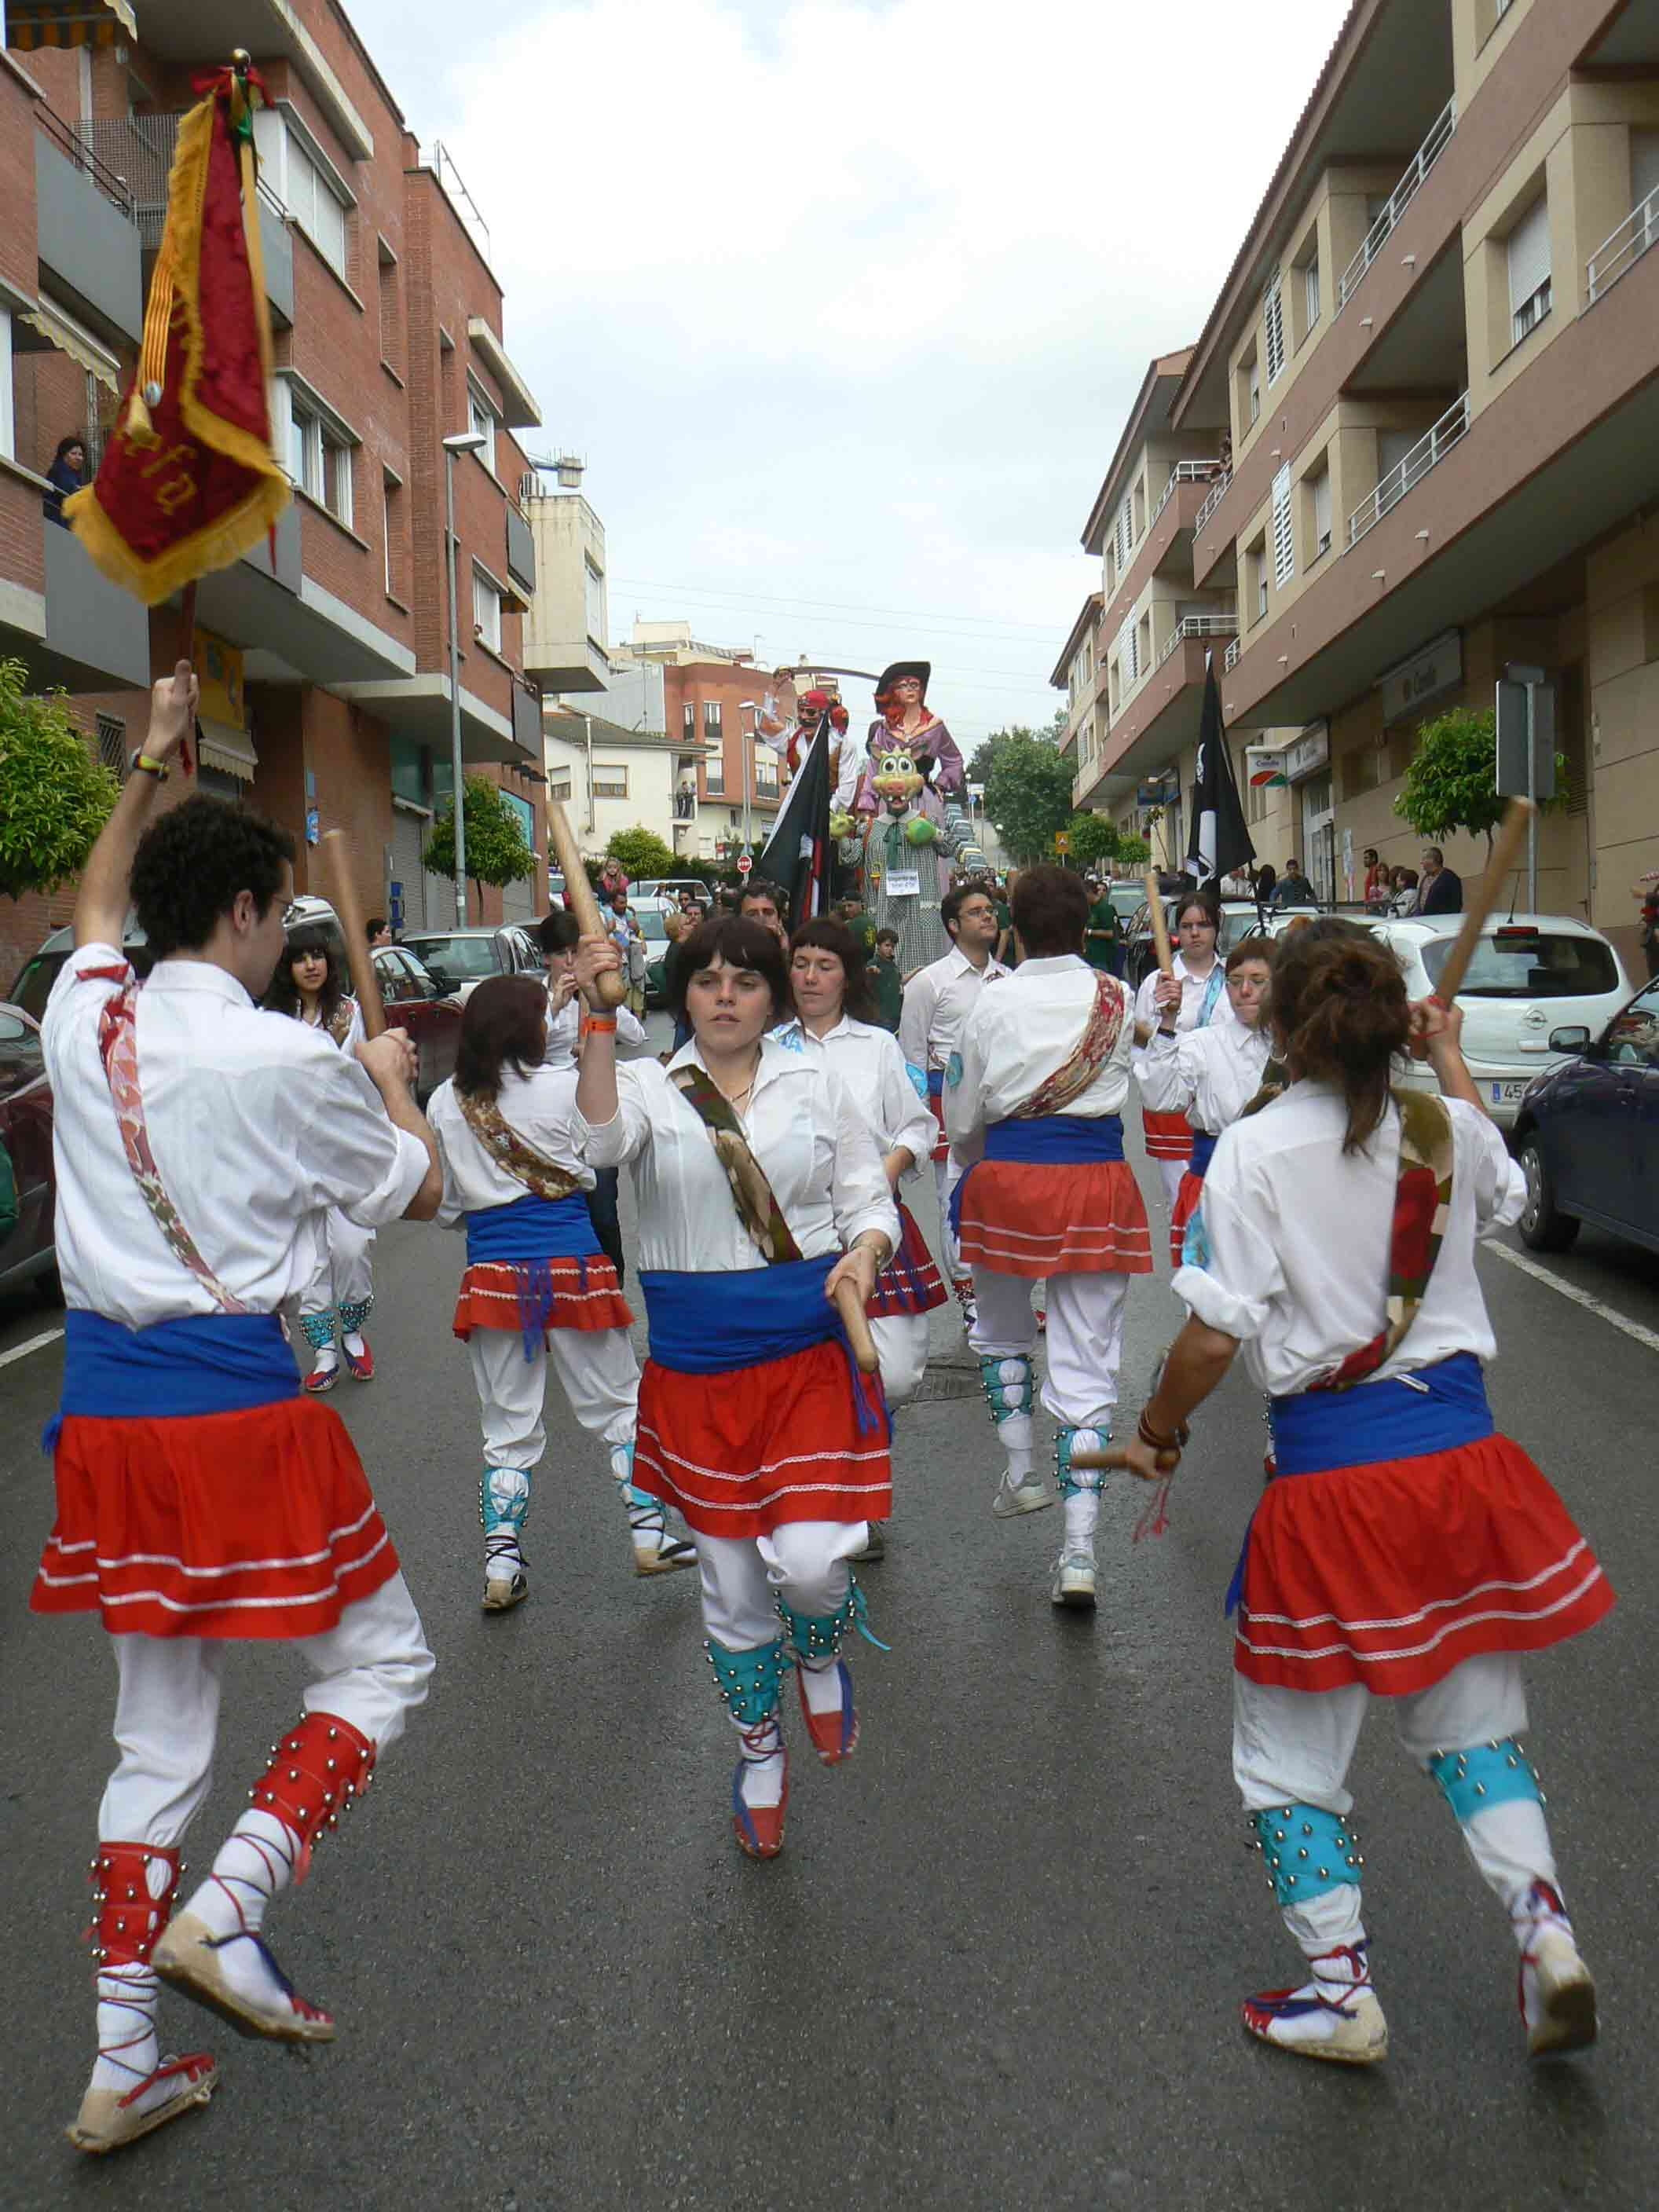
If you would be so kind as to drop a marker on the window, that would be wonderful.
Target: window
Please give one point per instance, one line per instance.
(558, 786)
(486, 612)
(1319, 511)
(391, 518)
(1144, 643)
(112, 743)
(1530, 270)
(766, 775)
(593, 591)
(391, 321)
(8, 428)
(302, 183)
(1309, 292)
(610, 780)
(688, 723)
(1644, 186)
(1126, 533)
(1284, 536)
(481, 420)
(711, 719)
(1273, 317)
(319, 459)
(713, 777)
(1249, 388)
(1517, 961)
(1256, 579)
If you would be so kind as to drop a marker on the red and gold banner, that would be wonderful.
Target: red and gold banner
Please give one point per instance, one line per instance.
(188, 483)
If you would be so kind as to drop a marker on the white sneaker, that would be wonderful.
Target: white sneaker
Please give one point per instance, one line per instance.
(1558, 1996)
(1074, 1580)
(1029, 1495)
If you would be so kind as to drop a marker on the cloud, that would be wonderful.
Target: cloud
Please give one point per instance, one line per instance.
(848, 302)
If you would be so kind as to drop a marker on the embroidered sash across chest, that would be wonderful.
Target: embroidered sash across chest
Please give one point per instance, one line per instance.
(510, 1151)
(1094, 1048)
(756, 1204)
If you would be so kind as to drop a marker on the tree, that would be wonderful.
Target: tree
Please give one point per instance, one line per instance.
(54, 797)
(1094, 839)
(1134, 853)
(496, 850)
(641, 853)
(1452, 781)
(1028, 793)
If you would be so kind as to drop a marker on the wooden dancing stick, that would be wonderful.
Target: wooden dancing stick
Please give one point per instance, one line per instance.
(1114, 1461)
(850, 1306)
(1160, 925)
(1505, 854)
(343, 897)
(579, 896)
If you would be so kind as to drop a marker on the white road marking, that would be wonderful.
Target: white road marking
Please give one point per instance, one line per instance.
(34, 1343)
(1597, 1306)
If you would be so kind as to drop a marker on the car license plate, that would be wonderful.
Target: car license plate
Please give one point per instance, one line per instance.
(1510, 1093)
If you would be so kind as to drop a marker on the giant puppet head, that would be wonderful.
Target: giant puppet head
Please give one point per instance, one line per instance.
(899, 777)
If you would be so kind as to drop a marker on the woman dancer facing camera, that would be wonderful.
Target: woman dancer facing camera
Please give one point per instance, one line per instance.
(760, 1190)
(1203, 999)
(1403, 1548)
(829, 984)
(310, 985)
(537, 1287)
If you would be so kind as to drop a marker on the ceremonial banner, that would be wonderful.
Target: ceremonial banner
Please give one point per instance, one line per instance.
(188, 483)
(797, 853)
(1220, 839)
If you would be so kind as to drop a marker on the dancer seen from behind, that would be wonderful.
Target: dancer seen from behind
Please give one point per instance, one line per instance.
(1034, 1106)
(938, 1000)
(829, 986)
(760, 1190)
(1210, 1075)
(1203, 982)
(1403, 1548)
(537, 1287)
(202, 1497)
(309, 985)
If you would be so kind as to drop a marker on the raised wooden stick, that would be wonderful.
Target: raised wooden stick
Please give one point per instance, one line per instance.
(856, 1322)
(1511, 836)
(579, 896)
(343, 897)
(1113, 1460)
(1160, 925)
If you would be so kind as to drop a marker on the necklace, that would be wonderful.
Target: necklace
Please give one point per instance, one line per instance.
(737, 1099)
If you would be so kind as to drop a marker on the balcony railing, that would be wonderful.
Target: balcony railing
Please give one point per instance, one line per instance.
(1619, 253)
(1185, 472)
(1428, 452)
(1192, 626)
(1229, 658)
(69, 138)
(438, 158)
(136, 151)
(1399, 200)
(1217, 493)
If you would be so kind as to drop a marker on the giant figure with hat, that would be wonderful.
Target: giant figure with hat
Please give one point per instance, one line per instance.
(909, 802)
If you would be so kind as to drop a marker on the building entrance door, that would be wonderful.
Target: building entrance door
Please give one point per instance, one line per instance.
(1319, 835)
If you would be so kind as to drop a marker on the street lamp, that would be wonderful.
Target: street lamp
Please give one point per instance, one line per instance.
(745, 738)
(465, 441)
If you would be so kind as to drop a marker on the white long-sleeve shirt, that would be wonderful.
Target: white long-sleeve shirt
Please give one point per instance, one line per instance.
(257, 1125)
(1193, 991)
(869, 1063)
(564, 1027)
(938, 1000)
(541, 1107)
(1018, 1035)
(1299, 1235)
(1209, 1075)
(812, 1142)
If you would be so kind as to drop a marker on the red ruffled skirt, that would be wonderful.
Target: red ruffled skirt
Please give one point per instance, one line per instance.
(740, 1454)
(910, 1283)
(1186, 1204)
(1392, 1574)
(585, 1295)
(1168, 1136)
(1023, 1219)
(234, 1525)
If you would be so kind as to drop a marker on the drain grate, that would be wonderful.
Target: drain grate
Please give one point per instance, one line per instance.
(939, 1383)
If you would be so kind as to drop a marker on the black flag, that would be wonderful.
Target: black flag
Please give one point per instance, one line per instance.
(797, 853)
(1220, 844)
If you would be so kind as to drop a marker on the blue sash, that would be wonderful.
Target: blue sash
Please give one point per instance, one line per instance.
(1436, 1409)
(720, 1323)
(1204, 1147)
(175, 1370)
(529, 1229)
(1046, 1141)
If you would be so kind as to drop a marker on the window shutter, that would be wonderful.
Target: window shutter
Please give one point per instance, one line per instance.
(1273, 310)
(1310, 292)
(1321, 507)
(1529, 254)
(1284, 538)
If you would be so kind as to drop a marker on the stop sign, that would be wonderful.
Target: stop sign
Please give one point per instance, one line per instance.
(744, 864)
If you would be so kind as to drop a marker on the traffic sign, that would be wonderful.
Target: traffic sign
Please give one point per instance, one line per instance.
(744, 864)
(1062, 841)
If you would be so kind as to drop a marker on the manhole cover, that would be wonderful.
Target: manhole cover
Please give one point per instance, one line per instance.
(942, 1382)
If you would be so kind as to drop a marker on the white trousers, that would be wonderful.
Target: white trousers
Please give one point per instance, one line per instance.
(596, 1368)
(901, 1348)
(946, 1176)
(1084, 1342)
(1170, 1173)
(343, 1272)
(803, 1561)
(371, 1670)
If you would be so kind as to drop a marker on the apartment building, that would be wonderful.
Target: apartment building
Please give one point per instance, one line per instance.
(1435, 363)
(329, 655)
(565, 638)
(710, 694)
(609, 777)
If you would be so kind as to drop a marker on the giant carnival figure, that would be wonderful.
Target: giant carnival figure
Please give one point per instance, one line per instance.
(910, 804)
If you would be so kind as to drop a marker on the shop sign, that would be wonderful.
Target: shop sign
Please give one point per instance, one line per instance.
(1439, 668)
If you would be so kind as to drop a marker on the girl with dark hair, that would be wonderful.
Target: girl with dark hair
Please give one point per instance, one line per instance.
(309, 985)
(537, 1288)
(1403, 1548)
(829, 981)
(1203, 999)
(760, 1191)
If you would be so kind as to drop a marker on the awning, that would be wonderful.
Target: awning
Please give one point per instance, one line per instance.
(33, 23)
(231, 751)
(62, 332)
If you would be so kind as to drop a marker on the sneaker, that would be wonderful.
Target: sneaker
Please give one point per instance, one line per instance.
(1074, 1580)
(1029, 1495)
(875, 1544)
(502, 1597)
(1557, 1995)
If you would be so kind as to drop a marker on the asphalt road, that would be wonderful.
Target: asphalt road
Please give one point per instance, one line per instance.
(998, 1964)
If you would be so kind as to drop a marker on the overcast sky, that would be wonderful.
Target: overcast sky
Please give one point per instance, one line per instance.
(846, 304)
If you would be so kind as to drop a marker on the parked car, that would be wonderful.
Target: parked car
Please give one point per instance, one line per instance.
(415, 1000)
(31, 987)
(667, 889)
(1532, 976)
(459, 959)
(1588, 1131)
(26, 1251)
